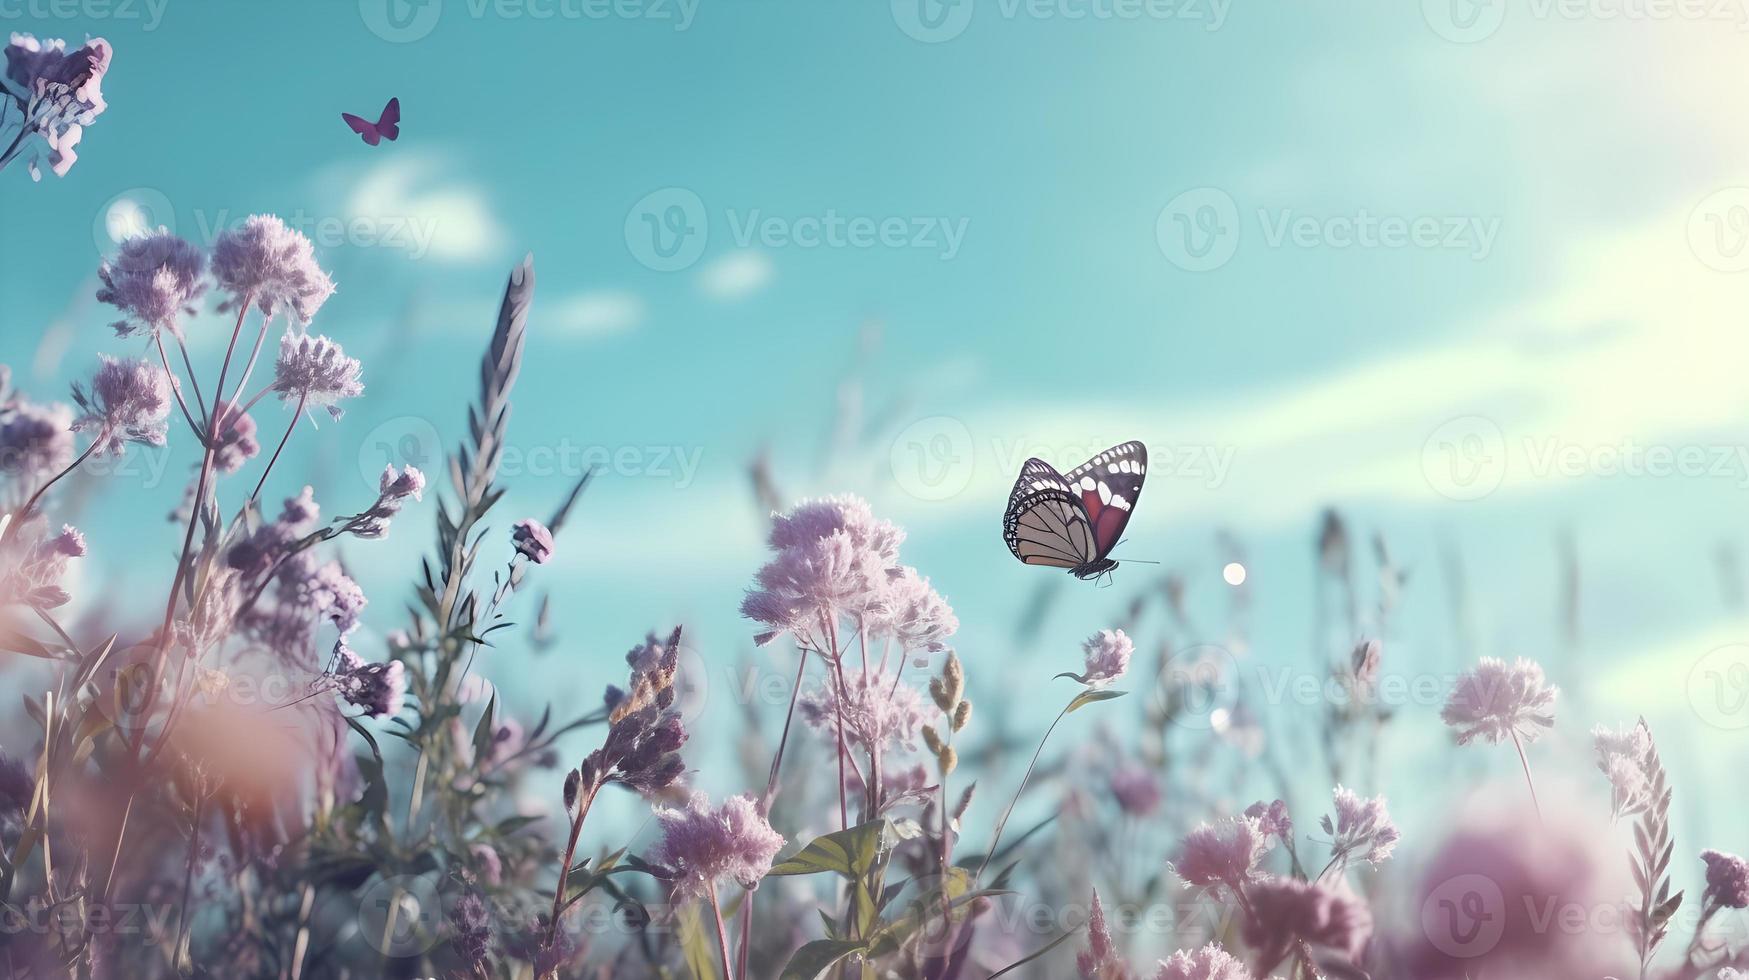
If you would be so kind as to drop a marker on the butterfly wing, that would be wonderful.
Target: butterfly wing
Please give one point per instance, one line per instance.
(1046, 523)
(389, 124)
(363, 127)
(1108, 486)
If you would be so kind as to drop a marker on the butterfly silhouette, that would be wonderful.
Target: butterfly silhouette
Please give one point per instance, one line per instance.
(1074, 521)
(388, 124)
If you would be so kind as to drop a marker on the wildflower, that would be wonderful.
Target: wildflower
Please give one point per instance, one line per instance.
(701, 846)
(58, 94)
(1622, 757)
(1221, 855)
(1497, 702)
(532, 540)
(236, 443)
(877, 713)
(35, 440)
(1362, 826)
(393, 489)
(17, 785)
(1136, 789)
(834, 557)
(314, 370)
(379, 689)
(1274, 820)
(32, 565)
(644, 733)
(1100, 960)
(486, 859)
(1727, 880)
(1208, 963)
(152, 280)
(129, 401)
(1287, 911)
(473, 928)
(913, 614)
(269, 266)
(1108, 656)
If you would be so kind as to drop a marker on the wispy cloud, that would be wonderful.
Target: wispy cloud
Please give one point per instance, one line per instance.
(596, 313)
(736, 275)
(407, 201)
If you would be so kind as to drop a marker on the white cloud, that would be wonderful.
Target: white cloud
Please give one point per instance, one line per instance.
(596, 313)
(406, 202)
(736, 275)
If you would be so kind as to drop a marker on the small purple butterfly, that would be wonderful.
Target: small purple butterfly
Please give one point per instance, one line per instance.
(389, 124)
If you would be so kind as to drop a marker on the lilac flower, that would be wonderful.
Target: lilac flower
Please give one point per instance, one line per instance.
(1622, 757)
(152, 280)
(1496, 702)
(314, 370)
(380, 689)
(17, 784)
(1208, 963)
(58, 94)
(1287, 911)
(1727, 880)
(1136, 789)
(269, 266)
(834, 557)
(1362, 828)
(701, 846)
(1274, 820)
(644, 732)
(913, 614)
(486, 859)
(32, 565)
(393, 489)
(1221, 855)
(236, 443)
(35, 440)
(532, 540)
(129, 401)
(473, 928)
(877, 713)
(1108, 656)
(1100, 960)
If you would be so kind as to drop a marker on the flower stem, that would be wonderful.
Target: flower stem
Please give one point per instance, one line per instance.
(722, 935)
(997, 837)
(783, 740)
(176, 389)
(565, 866)
(1525, 762)
(24, 512)
(297, 414)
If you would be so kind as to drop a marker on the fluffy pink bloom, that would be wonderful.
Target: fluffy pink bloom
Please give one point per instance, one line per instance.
(236, 443)
(35, 440)
(33, 563)
(834, 557)
(877, 714)
(532, 540)
(1221, 855)
(1727, 879)
(1287, 911)
(379, 689)
(129, 401)
(1361, 828)
(1208, 963)
(1108, 656)
(702, 846)
(270, 266)
(153, 280)
(1100, 960)
(1274, 820)
(316, 371)
(913, 614)
(1495, 701)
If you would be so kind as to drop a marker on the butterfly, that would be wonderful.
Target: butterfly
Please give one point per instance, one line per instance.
(388, 124)
(1074, 521)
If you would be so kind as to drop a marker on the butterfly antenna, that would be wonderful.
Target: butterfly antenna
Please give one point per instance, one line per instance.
(1138, 561)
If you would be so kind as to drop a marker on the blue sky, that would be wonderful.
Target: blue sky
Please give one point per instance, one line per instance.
(1472, 273)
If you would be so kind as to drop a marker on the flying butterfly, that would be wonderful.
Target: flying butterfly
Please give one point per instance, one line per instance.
(388, 124)
(1074, 521)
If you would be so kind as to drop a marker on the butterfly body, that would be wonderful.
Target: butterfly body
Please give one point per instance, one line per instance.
(1073, 521)
(387, 126)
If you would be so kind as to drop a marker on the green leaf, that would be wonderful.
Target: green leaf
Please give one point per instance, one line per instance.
(1086, 698)
(1053, 944)
(817, 957)
(845, 852)
(700, 950)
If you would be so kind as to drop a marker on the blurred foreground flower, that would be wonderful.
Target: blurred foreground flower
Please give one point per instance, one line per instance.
(56, 93)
